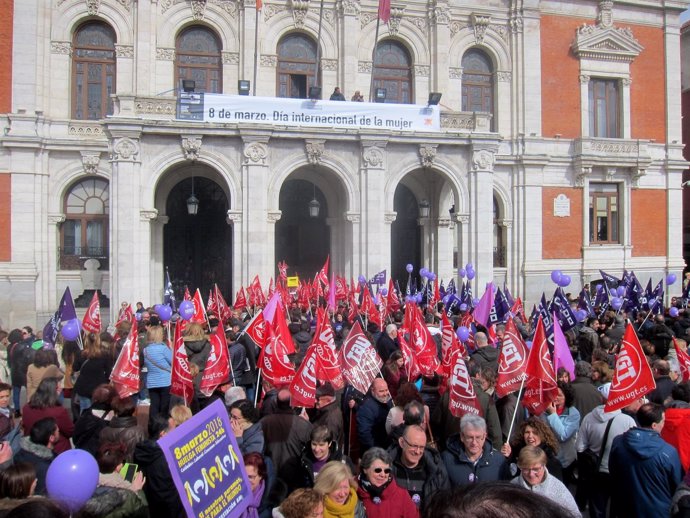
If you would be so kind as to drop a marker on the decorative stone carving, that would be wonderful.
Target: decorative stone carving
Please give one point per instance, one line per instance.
(350, 7)
(389, 217)
(229, 6)
(85, 130)
(627, 81)
(271, 10)
(165, 54)
(125, 3)
(505, 223)
(581, 174)
(256, 153)
(300, 8)
(610, 173)
(314, 150)
(372, 156)
(366, 18)
(61, 47)
(352, 217)
(480, 24)
(125, 149)
(198, 9)
(191, 146)
(427, 154)
(148, 215)
(463, 219)
(455, 72)
(395, 19)
(154, 107)
(92, 7)
(636, 173)
(516, 24)
(603, 41)
(274, 215)
(330, 65)
(269, 61)
(165, 5)
(90, 161)
(233, 216)
(329, 16)
(504, 76)
(422, 70)
(124, 51)
(483, 160)
(364, 67)
(230, 58)
(440, 15)
(56, 219)
(584, 79)
(456, 27)
(444, 221)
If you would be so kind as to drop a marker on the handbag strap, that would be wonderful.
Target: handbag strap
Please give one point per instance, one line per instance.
(157, 365)
(603, 444)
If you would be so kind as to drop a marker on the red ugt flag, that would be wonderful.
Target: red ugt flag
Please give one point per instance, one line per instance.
(125, 374)
(217, 370)
(463, 399)
(327, 364)
(359, 360)
(633, 376)
(256, 329)
(92, 318)
(511, 361)
(683, 360)
(273, 361)
(424, 345)
(541, 387)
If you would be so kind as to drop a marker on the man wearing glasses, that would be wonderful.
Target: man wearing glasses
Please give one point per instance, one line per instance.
(416, 467)
(470, 458)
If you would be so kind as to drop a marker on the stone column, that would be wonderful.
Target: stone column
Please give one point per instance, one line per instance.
(130, 248)
(148, 218)
(445, 227)
(234, 219)
(427, 239)
(157, 255)
(353, 257)
(257, 237)
(375, 236)
(481, 212)
(439, 18)
(349, 36)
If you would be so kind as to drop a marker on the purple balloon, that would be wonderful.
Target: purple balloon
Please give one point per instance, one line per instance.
(620, 291)
(165, 312)
(137, 317)
(599, 287)
(70, 329)
(418, 297)
(362, 279)
(556, 276)
(671, 278)
(432, 276)
(186, 309)
(463, 307)
(581, 315)
(470, 274)
(72, 478)
(469, 266)
(616, 303)
(384, 291)
(564, 281)
(462, 272)
(673, 311)
(409, 267)
(463, 333)
(423, 272)
(475, 302)
(157, 308)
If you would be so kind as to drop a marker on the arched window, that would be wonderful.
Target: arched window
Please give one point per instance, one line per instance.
(93, 71)
(197, 57)
(393, 71)
(84, 234)
(499, 243)
(296, 65)
(477, 83)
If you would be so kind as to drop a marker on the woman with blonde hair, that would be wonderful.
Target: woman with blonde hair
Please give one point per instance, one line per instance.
(335, 481)
(158, 361)
(303, 503)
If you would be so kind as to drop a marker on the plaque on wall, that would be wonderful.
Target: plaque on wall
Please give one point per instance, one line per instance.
(561, 206)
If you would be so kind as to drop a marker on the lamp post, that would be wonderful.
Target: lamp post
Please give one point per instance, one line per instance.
(314, 205)
(424, 209)
(192, 202)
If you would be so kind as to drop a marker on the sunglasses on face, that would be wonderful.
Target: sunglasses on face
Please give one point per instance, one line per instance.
(385, 470)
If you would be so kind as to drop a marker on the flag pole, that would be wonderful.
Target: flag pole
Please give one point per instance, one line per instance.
(373, 59)
(318, 49)
(517, 404)
(256, 48)
(258, 385)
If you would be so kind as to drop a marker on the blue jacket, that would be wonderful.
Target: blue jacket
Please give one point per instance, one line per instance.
(645, 471)
(371, 423)
(158, 358)
(491, 466)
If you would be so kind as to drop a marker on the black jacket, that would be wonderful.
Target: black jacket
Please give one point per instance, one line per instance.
(437, 476)
(298, 471)
(164, 500)
(39, 457)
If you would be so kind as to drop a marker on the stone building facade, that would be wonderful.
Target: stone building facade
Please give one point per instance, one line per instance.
(559, 146)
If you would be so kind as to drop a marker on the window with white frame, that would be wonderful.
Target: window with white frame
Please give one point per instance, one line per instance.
(604, 214)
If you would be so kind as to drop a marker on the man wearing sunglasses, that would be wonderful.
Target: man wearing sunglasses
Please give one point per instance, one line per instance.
(416, 467)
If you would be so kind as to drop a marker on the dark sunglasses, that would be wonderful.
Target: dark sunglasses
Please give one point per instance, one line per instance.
(385, 470)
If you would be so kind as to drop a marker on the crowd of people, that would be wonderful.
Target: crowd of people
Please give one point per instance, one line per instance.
(394, 451)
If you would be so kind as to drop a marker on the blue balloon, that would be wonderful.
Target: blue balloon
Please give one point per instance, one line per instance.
(384, 291)
(462, 272)
(165, 312)
(564, 281)
(620, 291)
(71, 329)
(186, 309)
(556, 276)
(409, 268)
(616, 303)
(72, 478)
(470, 274)
(463, 333)
(362, 279)
(670, 278)
(673, 311)
(463, 307)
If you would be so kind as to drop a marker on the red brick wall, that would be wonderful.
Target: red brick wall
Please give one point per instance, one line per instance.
(561, 85)
(648, 222)
(561, 237)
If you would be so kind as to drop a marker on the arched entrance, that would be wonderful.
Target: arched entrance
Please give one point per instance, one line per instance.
(197, 249)
(406, 246)
(301, 239)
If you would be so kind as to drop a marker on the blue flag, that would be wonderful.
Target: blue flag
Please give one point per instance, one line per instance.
(64, 313)
(561, 308)
(584, 302)
(451, 287)
(611, 281)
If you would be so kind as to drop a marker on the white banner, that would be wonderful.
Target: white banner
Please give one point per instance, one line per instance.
(307, 113)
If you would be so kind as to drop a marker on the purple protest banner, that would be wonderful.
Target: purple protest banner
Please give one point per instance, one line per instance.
(207, 465)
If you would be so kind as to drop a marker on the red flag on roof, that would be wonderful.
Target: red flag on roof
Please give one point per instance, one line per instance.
(384, 10)
(633, 377)
(92, 318)
(512, 361)
(540, 387)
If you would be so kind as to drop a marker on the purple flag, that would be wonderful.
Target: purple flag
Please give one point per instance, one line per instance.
(483, 309)
(64, 313)
(561, 351)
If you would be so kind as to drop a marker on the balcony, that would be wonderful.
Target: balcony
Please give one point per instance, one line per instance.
(73, 258)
